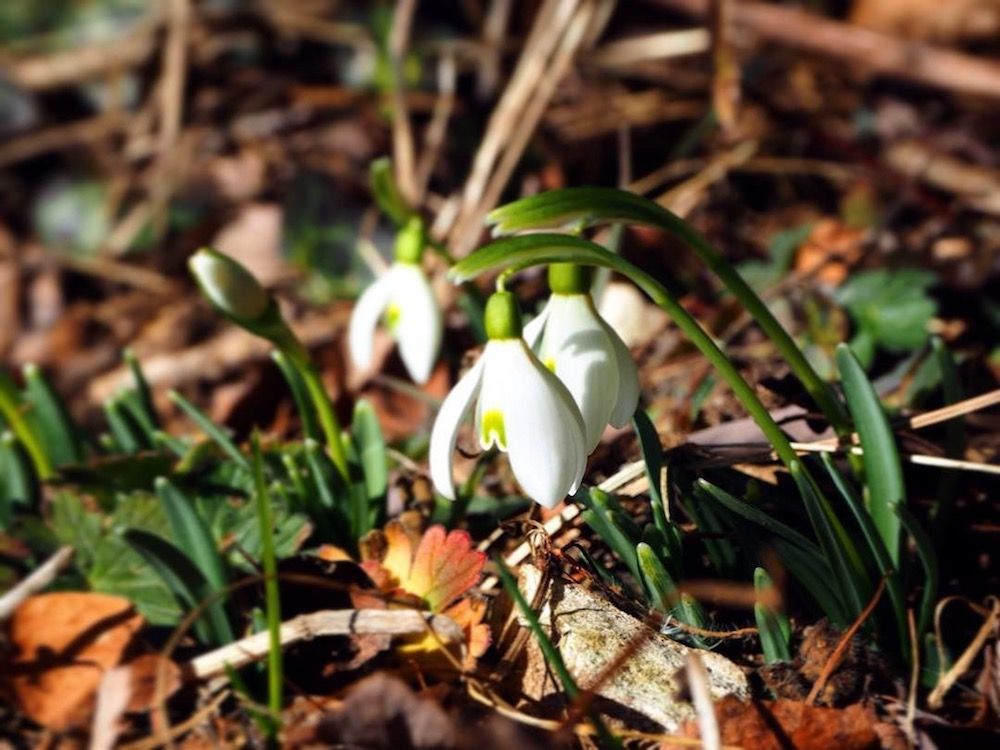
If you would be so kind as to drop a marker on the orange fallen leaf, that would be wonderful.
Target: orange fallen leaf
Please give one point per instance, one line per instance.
(442, 568)
(438, 570)
(829, 250)
(767, 725)
(63, 643)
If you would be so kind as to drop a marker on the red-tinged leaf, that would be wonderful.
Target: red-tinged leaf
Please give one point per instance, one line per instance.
(445, 567)
(398, 555)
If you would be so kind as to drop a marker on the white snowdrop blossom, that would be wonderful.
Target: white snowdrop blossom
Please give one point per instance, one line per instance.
(521, 408)
(577, 344)
(403, 299)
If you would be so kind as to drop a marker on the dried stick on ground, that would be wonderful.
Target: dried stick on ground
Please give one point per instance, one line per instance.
(327, 622)
(36, 581)
(872, 50)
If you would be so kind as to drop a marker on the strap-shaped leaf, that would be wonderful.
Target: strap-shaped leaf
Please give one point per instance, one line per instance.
(775, 630)
(185, 582)
(12, 411)
(877, 548)
(369, 444)
(59, 434)
(303, 403)
(212, 430)
(842, 554)
(929, 561)
(192, 534)
(18, 480)
(883, 471)
(652, 456)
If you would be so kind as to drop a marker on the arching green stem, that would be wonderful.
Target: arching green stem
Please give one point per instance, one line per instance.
(578, 208)
(328, 421)
(518, 253)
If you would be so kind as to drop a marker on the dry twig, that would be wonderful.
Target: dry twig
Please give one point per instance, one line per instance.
(872, 50)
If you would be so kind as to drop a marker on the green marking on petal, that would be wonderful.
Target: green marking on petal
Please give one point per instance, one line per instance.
(550, 363)
(491, 430)
(392, 316)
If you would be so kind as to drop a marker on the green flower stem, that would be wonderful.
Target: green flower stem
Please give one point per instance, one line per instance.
(820, 391)
(324, 408)
(272, 598)
(707, 346)
(577, 208)
(513, 254)
(10, 408)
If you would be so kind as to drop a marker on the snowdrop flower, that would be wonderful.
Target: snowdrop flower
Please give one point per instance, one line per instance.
(521, 408)
(404, 300)
(229, 286)
(573, 341)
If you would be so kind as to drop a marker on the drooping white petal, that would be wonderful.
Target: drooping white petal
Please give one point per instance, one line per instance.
(542, 426)
(628, 381)
(417, 324)
(446, 425)
(577, 346)
(533, 330)
(367, 311)
(490, 406)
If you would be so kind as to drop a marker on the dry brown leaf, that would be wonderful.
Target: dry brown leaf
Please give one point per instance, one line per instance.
(829, 251)
(767, 725)
(143, 673)
(64, 642)
(382, 711)
(930, 20)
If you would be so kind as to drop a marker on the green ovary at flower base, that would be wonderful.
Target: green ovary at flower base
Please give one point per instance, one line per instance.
(521, 407)
(585, 353)
(403, 299)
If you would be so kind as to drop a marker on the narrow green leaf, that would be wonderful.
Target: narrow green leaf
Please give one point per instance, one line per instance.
(184, 581)
(18, 481)
(212, 430)
(549, 650)
(837, 545)
(192, 534)
(652, 456)
(806, 562)
(929, 561)
(602, 517)
(369, 444)
(12, 410)
(272, 598)
(659, 585)
(878, 551)
(303, 403)
(666, 546)
(386, 193)
(146, 430)
(59, 434)
(751, 513)
(775, 630)
(715, 534)
(143, 392)
(883, 472)
(126, 433)
(329, 495)
(661, 590)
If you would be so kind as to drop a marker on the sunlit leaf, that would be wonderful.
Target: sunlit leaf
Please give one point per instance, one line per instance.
(883, 472)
